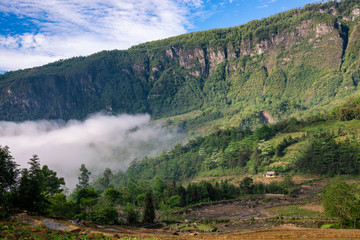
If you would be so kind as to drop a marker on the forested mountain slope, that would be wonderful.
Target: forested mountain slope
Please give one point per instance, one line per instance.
(289, 62)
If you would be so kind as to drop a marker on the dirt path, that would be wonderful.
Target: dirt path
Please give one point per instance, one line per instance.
(283, 232)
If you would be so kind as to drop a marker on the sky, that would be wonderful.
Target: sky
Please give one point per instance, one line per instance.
(36, 32)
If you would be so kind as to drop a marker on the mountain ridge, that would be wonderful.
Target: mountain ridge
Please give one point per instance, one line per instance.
(283, 64)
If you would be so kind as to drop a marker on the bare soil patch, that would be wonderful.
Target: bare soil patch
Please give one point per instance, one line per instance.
(282, 232)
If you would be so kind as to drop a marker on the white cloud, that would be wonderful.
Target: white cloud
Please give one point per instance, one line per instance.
(76, 27)
(99, 142)
(265, 3)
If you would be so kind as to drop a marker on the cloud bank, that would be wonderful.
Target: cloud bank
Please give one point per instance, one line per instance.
(42, 31)
(99, 142)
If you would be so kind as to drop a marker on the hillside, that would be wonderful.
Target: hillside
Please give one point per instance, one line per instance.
(213, 183)
(269, 68)
(324, 145)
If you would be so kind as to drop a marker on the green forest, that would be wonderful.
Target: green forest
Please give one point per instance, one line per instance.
(329, 147)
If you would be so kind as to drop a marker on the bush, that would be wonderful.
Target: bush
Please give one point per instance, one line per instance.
(174, 201)
(341, 200)
(132, 215)
(106, 215)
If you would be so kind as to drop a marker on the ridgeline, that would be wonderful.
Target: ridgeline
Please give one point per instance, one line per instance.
(262, 71)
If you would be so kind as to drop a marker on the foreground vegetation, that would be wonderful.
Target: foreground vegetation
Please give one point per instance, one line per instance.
(152, 189)
(159, 188)
(17, 230)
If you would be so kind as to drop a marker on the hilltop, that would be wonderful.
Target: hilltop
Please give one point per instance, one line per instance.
(263, 71)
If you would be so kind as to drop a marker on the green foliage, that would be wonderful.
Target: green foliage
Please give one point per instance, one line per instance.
(83, 177)
(247, 185)
(324, 155)
(8, 177)
(350, 110)
(104, 215)
(174, 201)
(149, 209)
(342, 201)
(278, 64)
(112, 195)
(36, 186)
(279, 149)
(86, 199)
(132, 214)
(105, 180)
(293, 211)
(60, 207)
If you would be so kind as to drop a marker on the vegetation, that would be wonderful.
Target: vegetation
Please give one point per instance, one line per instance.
(135, 196)
(227, 76)
(341, 200)
(160, 78)
(293, 211)
(16, 230)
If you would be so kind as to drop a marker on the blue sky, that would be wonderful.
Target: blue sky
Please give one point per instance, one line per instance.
(36, 32)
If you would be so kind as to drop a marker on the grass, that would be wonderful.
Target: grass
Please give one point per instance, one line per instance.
(206, 228)
(197, 227)
(293, 211)
(326, 226)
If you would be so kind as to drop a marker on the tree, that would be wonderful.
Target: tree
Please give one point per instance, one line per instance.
(159, 188)
(83, 177)
(149, 208)
(112, 195)
(36, 186)
(247, 185)
(174, 201)
(60, 207)
(342, 201)
(30, 195)
(132, 215)
(86, 199)
(104, 215)
(8, 176)
(105, 180)
(52, 183)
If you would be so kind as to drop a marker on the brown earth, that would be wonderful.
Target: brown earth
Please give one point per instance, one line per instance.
(285, 231)
(234, 219)
(282, 232)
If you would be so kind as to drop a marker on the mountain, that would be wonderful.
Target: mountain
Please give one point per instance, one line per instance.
(261, 71)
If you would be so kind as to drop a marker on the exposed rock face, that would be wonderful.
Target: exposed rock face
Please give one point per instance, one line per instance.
(202, 62)
(194, 60)
(323, 29)
(355, 13)
(215, 57)
(266, 117)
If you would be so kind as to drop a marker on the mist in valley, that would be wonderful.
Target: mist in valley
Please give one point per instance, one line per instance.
(101, 141)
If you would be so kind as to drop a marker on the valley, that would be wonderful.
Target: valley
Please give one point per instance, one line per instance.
(248, 132)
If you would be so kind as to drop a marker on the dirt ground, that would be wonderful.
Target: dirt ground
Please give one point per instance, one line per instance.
(234, 219)
(282, 232)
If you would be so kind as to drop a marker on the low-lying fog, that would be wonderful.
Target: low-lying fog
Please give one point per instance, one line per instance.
(100, 142)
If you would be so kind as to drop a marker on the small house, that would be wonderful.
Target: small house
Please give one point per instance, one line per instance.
(270, 174)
